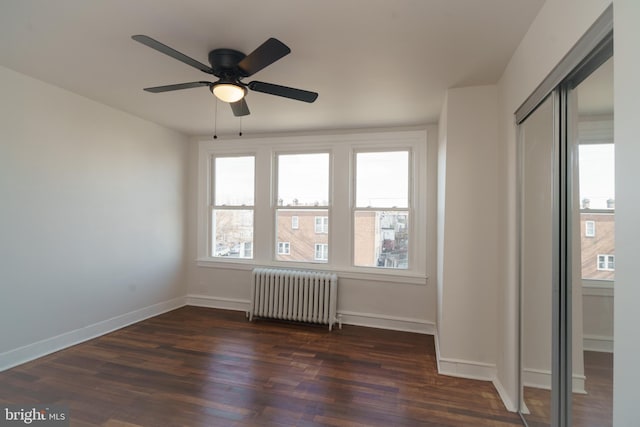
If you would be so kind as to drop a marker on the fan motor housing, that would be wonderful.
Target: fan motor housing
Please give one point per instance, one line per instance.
(224, 60)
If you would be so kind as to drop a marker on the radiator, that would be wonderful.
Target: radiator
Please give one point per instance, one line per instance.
(296, 295)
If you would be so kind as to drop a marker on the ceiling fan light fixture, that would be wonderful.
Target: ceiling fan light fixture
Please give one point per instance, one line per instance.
(229, 92)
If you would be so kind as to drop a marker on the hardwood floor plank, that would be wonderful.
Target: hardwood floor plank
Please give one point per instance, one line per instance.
(205, 367)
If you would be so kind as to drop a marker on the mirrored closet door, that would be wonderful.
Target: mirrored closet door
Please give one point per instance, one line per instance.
(566, 207)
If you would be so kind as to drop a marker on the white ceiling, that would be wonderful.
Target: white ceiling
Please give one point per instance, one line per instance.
(374, 63)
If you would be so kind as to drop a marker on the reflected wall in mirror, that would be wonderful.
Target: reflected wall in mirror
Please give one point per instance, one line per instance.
(537, 164)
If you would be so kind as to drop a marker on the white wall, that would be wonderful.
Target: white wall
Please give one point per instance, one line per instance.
(558, 26)
(627, 315)
(470, 232)
(92, 216)
(388, 303)
(597, 306)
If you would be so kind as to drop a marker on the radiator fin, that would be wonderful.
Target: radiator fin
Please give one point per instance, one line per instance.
(297, 295)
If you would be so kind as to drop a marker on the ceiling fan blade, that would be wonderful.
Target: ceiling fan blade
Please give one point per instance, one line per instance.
(287, 92)
(179, 86)
(154, 44)
(266, 54)
(240, 108)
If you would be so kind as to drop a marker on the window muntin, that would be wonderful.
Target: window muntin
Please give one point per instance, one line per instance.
(302, 193)
(232, 207)
(381, 227)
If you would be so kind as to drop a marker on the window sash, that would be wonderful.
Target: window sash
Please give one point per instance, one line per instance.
(405, 201)
(285, 200)
(214, 184)
(230, 236)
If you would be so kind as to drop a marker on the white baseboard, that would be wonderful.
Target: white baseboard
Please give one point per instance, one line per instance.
(475, 371)
(507, 402)
(370, 320)
(467, 369)
(41, 348)
(538, 378)
(600, 343)
(382, 321)
(218, 302)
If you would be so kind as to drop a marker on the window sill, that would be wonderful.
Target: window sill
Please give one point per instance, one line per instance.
(407, 278)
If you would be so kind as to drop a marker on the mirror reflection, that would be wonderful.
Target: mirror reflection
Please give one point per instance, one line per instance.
(593, 246)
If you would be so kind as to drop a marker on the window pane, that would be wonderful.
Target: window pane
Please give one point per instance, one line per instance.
(302, 242)
(232, 233)
(303, 179)
(597, 204)
(590, 228)
(322, 252)
(597, 176)
(381, 239)
(382, 179)
(234, 181)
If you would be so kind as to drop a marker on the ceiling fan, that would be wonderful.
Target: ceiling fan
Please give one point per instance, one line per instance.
(231, 66)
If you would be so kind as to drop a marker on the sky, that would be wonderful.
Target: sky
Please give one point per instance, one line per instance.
(597, 174)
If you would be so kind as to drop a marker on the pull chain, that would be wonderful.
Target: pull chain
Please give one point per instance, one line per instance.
(215, 121)
(240, 133)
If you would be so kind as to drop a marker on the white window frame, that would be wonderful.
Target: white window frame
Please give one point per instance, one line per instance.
(277, 205)
(340, 148)
(213, 206)
(284, 248)
(590, 228)
(295, 222)
(408, 209)
(608, 260)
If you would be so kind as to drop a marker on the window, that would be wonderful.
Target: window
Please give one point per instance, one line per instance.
(589, 228)
(284, 248)
(322, 224)
(381, 214)
(232, 207)
(321, 252)
(597, 205)
(303, 193)
(346, 203)
(606, 262)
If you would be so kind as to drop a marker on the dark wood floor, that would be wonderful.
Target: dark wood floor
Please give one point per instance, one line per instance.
(205, 367)
(594, 409)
